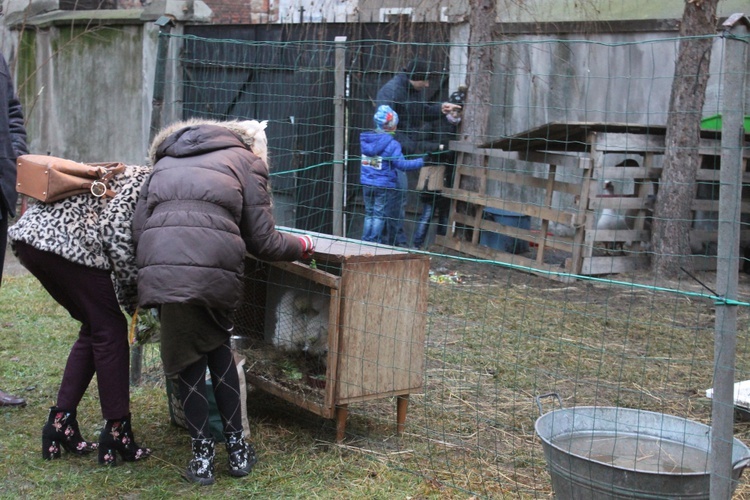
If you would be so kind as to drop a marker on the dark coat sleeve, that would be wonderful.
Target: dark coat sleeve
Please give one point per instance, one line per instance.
(432, 135)
(15, 123)
(417, 143)
(12, 138)
(258, 226)
(140, 215)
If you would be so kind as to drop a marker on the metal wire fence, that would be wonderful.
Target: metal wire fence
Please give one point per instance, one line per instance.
(435, 360)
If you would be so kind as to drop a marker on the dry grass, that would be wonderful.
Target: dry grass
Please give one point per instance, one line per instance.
(496, 340)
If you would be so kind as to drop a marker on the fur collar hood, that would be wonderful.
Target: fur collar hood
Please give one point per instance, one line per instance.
(250, 132)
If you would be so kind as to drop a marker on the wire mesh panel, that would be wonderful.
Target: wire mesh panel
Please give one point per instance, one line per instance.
(347, 328)
(471, 332)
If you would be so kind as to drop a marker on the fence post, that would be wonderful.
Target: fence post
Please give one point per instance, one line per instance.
(165, 24)
(339, 137)
(730, 198)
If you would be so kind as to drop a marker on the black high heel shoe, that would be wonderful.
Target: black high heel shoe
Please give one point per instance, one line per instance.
(61, 430)
(117, 437)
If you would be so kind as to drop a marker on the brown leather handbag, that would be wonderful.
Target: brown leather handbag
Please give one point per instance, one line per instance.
(48, 178)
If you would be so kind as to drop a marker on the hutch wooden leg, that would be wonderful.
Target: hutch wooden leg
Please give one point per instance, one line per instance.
(341, 413)
(402, 403)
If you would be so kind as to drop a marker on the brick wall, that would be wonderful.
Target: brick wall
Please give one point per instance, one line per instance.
(244, 11)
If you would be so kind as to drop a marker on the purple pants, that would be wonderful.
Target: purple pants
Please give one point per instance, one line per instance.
(3, 235)
(102, 346)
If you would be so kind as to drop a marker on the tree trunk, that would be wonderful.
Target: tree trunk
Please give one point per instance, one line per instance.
(482, 16)
(672, 214)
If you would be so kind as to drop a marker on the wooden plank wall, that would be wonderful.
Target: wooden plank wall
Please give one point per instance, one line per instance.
(590, 251)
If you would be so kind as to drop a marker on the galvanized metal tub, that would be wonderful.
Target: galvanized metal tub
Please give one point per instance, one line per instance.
(611, 453)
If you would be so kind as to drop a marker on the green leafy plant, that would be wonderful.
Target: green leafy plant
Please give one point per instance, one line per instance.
(147, 326)
(290, 370)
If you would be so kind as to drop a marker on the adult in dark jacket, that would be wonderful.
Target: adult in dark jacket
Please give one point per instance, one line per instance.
(13, 144)
(436, 138)
(205, 205)
(404, 93)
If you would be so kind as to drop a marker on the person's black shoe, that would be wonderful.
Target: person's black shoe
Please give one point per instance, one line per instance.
(10, 400)
(242, 455)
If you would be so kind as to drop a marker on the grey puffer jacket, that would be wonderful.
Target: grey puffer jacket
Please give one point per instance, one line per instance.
(205, 204)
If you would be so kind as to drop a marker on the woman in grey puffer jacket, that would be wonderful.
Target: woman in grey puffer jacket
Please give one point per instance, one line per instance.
(206, 203)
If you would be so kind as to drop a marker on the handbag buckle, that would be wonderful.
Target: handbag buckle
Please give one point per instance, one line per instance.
(98, 189)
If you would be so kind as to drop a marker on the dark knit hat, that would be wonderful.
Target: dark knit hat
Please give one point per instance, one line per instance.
(459, 96)
(418, 70)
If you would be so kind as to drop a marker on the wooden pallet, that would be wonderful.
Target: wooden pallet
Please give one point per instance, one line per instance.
(561, 149)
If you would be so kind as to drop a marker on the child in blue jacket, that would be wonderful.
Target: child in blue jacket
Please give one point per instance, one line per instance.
(381, 157)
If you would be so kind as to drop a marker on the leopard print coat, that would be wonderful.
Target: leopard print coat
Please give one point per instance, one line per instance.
(94, 232)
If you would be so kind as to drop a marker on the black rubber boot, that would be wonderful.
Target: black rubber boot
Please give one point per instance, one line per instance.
(201, 468)
(241, 454)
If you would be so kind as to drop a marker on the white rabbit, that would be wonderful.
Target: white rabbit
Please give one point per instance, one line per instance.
(302, 323)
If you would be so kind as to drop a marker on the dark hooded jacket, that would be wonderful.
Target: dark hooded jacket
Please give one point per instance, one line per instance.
(12, 138)
(428, 139)
(408, 102)
(205, 204)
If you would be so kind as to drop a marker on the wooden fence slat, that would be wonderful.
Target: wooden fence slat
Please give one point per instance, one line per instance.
(583, 146)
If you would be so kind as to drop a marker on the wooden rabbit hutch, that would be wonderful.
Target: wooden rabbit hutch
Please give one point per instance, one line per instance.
(372, 302)
(575, 160)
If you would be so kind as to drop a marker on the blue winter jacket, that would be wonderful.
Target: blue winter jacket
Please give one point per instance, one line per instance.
(381, 156)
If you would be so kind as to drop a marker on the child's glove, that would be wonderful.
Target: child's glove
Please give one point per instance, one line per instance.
(308, 247)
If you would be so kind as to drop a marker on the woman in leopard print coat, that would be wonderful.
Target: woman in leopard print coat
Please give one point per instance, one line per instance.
(81, 250)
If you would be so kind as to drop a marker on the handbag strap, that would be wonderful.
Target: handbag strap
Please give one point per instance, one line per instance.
(107, 171)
